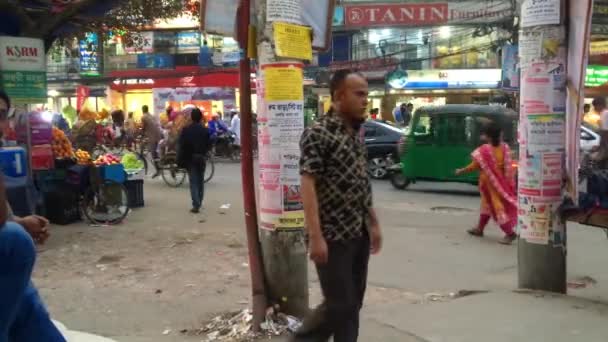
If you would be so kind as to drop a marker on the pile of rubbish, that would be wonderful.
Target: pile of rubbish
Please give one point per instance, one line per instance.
(237, 326)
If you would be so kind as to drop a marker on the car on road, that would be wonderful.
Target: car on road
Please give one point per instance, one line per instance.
(381, 141)
(590, 138)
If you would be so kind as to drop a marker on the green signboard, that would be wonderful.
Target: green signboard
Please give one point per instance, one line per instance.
(597, 75)
(24, 86)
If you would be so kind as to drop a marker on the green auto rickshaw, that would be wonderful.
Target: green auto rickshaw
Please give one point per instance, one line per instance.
(442, 138)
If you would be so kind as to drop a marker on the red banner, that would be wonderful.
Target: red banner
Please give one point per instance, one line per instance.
(82, 94)
(396, 14)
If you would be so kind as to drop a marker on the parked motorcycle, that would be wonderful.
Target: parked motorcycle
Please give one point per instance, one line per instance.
(226, 147)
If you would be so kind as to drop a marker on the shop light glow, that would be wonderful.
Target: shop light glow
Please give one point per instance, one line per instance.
(47, 116)
(445, 32)
(53, 93)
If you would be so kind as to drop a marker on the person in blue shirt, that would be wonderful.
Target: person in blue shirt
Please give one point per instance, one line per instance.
(216, 127)
(23, 315)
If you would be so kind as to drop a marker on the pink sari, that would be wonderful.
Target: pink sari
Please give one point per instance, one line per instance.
(497, 184)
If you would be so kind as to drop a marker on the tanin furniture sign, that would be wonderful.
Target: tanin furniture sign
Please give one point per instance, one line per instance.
(23, 69)
(427, 14)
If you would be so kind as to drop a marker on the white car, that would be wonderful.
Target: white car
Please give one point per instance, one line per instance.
(589, 138)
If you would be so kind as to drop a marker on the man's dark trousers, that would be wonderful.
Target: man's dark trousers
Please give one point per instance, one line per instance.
(343, 281)
(196, 173)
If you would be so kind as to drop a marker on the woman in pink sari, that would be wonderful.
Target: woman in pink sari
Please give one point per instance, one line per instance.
(496, 184)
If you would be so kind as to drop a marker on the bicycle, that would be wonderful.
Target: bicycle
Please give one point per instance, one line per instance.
(174, 176)
(104, 201)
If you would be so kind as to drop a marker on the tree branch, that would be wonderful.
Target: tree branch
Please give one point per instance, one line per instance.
(60, 18)
(26, 23)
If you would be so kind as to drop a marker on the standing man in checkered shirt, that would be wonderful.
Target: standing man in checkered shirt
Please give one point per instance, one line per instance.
(342, 225)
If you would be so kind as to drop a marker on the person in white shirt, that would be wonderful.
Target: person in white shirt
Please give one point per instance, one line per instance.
(599, 105)
(235, 126)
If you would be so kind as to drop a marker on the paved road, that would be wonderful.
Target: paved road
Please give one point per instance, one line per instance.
(165, 270)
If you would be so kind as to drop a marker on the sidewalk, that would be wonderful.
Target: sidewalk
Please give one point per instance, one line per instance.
(77, 336)
(494, 316)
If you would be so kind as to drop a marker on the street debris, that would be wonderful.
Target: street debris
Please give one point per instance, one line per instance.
(581, 283)
(237, 326)
(167, 332)
(224, 208)
(444, 297)
(450, 210)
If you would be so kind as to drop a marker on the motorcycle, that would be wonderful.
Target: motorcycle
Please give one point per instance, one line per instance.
(226, 147)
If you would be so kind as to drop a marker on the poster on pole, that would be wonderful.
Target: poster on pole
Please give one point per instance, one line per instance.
(292, 41)
(534, 221)
(316, 14)
(281, 123)
(578, 52)
(546, 133)
(540, 12)
(287, 11)
(510, 68)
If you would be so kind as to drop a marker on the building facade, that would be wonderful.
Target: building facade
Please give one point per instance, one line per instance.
(422, 52)
(169, 64)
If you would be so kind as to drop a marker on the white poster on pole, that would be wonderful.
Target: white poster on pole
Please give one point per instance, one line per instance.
(317, 14)
(540, 12)
(287, 11)
(578, 52)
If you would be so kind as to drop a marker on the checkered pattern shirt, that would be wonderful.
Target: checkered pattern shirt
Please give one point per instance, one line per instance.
(338, 161)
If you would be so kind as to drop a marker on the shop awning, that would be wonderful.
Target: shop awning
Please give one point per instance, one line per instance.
(189, 76)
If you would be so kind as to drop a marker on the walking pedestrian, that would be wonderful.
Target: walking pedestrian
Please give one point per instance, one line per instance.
(153, 133)
(341, 222)
(496, 183)
(407, 116)
(235, 126)
(23, 316)
(193, 146)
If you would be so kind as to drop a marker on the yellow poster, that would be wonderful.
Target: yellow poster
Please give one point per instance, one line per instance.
(283, 82)
(293, 41)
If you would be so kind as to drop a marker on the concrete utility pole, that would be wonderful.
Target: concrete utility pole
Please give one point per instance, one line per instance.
(258, 291)
(542, 262)
(551, 80)
(284, 251)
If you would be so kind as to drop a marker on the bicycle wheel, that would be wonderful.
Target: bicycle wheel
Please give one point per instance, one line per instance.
(209, 170)
(106, 203)
(172, 174)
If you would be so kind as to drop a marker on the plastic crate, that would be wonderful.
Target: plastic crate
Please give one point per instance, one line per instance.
(49, 180)
(114, 172)
(12, 162)
(42, 157)
(78, 176)
(135, 193)
(136, 174)
(61, 205)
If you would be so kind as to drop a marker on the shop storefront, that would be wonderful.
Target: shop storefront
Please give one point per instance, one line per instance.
(391, 86)
(159, 89)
